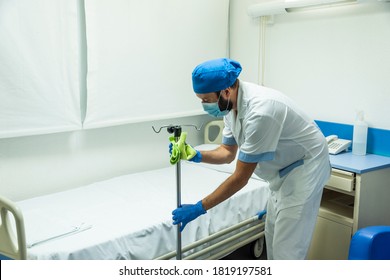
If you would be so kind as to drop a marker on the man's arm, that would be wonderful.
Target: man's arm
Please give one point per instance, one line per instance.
(188, 212)
(231, 185)
(222, 154)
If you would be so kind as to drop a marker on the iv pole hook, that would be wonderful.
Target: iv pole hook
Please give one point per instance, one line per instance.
(171, 126)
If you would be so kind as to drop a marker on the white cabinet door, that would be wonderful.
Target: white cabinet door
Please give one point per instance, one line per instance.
(330, 240)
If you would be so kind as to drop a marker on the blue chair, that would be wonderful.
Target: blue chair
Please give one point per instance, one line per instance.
(370, 243)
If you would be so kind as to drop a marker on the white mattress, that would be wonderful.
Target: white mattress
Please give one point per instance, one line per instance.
(129, 217)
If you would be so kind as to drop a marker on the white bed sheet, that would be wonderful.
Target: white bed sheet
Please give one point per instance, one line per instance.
(129, 217)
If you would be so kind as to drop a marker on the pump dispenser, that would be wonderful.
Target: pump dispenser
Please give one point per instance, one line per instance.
(359, 141)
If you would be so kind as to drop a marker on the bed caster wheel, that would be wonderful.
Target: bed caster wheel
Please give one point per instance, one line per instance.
(257, 248)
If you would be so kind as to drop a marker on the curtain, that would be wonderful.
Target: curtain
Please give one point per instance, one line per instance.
(39, 67)
(141, 55)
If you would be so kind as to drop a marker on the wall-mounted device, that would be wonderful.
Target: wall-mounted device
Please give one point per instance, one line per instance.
(336, 145)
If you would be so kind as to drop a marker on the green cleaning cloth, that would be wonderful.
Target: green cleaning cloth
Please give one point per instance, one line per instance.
(180, 149)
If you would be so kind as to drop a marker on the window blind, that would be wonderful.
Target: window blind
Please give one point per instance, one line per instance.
(39, 67)
(141, 55)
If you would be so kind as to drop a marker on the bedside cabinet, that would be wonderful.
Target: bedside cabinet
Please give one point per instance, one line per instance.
(357, 195)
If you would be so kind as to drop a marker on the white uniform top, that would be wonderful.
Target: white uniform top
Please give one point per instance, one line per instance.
(271, 130)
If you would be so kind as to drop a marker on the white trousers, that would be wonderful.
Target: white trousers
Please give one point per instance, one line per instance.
(292, 215)
(288, 232)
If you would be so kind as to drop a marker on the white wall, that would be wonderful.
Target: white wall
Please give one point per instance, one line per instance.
(244, 39)
(332, 62)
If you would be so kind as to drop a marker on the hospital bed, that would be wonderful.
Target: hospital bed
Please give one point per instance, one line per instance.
(129, 217)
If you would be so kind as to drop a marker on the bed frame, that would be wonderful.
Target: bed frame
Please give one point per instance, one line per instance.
(12, 245)
(226, 241)
(250, 231)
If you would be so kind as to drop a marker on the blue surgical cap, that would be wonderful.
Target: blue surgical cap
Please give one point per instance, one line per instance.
(215, 75)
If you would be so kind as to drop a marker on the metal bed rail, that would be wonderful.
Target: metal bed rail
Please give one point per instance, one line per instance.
(251, 230)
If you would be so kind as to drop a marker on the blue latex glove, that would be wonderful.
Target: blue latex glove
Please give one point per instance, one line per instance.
(196, 158)
(261, 214)
(170, 149)
(186, 213)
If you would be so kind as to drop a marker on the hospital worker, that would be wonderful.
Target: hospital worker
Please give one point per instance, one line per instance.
(275, 140)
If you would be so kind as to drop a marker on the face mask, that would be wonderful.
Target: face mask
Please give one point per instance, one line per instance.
(214, 110)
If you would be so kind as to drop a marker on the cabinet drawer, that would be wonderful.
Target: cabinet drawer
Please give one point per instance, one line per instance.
(342, 180)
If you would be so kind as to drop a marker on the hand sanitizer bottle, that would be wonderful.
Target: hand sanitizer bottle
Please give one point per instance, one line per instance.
(359, 141)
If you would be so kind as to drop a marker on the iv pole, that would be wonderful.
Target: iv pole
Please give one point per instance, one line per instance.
(176, 131)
